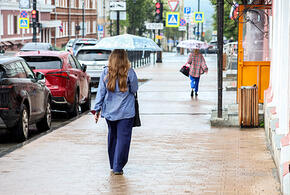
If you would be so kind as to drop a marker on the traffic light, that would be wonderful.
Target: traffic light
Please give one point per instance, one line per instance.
(158, 11)
(34, 16)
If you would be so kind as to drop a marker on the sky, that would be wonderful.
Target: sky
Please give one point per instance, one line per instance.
(205, 6)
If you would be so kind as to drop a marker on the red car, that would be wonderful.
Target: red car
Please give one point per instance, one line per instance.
(65, 77)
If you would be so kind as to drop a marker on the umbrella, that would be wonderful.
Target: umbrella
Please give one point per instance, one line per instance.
(193, 44)
(128, 42)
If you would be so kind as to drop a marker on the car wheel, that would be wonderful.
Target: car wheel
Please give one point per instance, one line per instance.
(76, 106)
(87, 105)
(21, 130)
(45, 123)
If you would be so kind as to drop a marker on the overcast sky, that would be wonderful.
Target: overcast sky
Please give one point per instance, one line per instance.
(205, 6)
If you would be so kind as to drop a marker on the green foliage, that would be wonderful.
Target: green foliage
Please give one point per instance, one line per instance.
(208, 35)
(137, 14)
(230, 26)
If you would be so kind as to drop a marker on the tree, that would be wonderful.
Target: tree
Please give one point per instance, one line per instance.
(230, 26)
(139, 11)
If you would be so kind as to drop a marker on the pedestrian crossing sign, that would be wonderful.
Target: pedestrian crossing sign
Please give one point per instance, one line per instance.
(24, 23)
(172, 19)
(198, 17)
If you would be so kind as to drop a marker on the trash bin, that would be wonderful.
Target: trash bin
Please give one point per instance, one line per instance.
(248, 106)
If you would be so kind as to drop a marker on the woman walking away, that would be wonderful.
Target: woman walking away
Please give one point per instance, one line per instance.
(115, 101)
(196, 69)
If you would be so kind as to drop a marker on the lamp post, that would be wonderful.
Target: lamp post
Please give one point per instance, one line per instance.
(220, 27)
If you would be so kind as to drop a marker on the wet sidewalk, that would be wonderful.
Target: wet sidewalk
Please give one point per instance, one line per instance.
(176, 151)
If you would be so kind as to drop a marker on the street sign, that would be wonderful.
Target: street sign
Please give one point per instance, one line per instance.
(23, 14)
(154, 26)
(117, 6)
(182, 22)
(173, 4)
(172, 19)
(113, 16)
(198, 17)
(100, 28)
(24, 23)
(182, 28)
(187, 10)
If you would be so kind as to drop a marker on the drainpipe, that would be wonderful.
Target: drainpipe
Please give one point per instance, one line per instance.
(69, 19)
(55, 20)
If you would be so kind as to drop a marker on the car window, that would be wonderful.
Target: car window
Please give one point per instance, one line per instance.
(28, 71)
(43, 62)
(10, 70)
(36, 46)
(20, 70)
(93, 55)
(79, 66)
(72, 62)
(2, 72)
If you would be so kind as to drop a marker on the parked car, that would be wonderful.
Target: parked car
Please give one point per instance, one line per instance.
(65, 77)
(69, 45)
(24, 98)
(37, 47)
(78, 43)
(95, 60)
(212, 47)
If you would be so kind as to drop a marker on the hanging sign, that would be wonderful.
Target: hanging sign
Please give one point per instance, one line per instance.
(173, 4)
(23, 14)
(198, 17)
(24, 23)
(172, 19)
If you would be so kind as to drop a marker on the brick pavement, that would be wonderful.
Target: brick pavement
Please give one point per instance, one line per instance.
(176, 151)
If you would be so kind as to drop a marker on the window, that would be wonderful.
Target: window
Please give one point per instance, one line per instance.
(10, 70)
(77, 63)
(43, 62)
(20, 71)
(71, 62)
(28, 71)
(1, 24)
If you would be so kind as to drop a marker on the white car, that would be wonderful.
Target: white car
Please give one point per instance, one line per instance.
(69, 45)
(95, 60)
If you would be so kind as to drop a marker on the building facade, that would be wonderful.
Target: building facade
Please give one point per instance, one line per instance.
(277, 96)
(61, 20)
(11, 36)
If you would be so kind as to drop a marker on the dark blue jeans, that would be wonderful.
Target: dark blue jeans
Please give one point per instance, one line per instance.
(194, 83)
(119, 139)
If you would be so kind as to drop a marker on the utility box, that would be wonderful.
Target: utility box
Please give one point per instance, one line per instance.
(248, 106)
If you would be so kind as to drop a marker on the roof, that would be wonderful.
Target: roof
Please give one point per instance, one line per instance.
(44, 53)
(8, 59)
(93, 47)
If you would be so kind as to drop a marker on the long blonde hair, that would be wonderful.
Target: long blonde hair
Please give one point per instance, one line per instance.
(119, 66)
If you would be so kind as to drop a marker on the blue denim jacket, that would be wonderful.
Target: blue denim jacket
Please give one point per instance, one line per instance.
(116, 105)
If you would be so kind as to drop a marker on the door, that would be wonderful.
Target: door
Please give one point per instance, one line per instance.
(37, 102)
(253, 47)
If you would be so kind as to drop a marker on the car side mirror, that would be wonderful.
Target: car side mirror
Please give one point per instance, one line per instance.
(84, 68)
(39, 76)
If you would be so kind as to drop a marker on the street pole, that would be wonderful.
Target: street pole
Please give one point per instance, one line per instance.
(34, 23)
(220, 27)
(83, 27)
(198, 31)
(187, 31)
(159, 54)
(118, 22)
